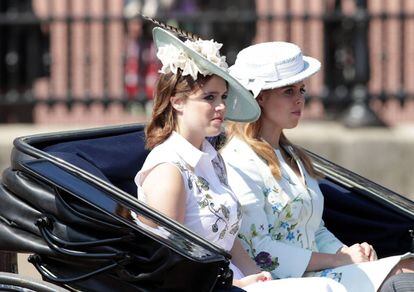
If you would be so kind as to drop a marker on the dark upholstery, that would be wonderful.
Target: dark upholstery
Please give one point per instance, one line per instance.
(115, 158)
(87, 246)
(352, 217)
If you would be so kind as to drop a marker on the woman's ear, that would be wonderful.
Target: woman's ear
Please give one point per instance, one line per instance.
(177, 103)
(261, 99)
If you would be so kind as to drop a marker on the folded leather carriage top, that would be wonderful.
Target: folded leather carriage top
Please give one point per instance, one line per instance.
(60, 203)
(69, 199)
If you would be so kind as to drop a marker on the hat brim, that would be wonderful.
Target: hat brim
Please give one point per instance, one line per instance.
(311, 66)
(240, 104)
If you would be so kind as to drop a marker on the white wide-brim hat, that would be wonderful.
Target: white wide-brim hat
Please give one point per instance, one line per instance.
(240, 104)
(272, 65)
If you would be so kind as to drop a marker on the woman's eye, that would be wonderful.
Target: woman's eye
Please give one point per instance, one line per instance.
(224, 97)
(302, 90)
(289, 91)
(209, 97)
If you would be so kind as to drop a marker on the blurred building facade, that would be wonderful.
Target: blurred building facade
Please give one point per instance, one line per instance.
(101, 65)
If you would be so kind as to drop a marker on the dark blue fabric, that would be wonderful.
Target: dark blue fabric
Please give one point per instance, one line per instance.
(354, 218)
(351, 216)
(116, 158)
(81, 163)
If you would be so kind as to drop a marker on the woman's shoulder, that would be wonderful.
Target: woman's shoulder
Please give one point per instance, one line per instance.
(171, 176)
(236, 148)
(158, 155)
(237, 153)
(233, 144)
(161, 153)
(243, 164)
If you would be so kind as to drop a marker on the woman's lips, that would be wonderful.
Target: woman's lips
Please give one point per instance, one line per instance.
(218, 119)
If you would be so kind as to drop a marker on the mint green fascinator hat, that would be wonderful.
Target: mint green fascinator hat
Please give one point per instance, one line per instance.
(202, 56)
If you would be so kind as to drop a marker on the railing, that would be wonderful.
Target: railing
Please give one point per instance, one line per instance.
(83, 61)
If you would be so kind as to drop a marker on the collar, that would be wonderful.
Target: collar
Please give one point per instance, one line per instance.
(190, 154)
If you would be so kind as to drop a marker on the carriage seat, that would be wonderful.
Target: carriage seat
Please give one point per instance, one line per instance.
(115, 159)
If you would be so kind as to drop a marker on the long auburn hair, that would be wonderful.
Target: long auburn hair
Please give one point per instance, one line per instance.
(163, 119)
(250, 132)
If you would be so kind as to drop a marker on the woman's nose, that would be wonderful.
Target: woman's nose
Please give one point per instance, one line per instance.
(221, 105)
(300, 98)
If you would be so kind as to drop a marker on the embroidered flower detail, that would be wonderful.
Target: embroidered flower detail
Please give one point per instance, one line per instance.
(276, 190)
(266, 191)
(290, 236)
(328, 273)
(239, 211)
(189, 183)
(299, 236)
(225, 211)
(173, 58)
(219, 169)
(202, 183)
(337, 277)
(265, 261)
(205, 201)
(276, 208)
(284, 224)
(253, 230)
(234, 228)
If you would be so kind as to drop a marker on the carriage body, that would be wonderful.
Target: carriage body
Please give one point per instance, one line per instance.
(69, 199)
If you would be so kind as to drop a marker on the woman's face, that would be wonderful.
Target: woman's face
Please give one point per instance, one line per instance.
(282, 107)
(202, 112)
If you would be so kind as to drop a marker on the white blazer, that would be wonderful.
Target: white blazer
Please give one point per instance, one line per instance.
(282, 219)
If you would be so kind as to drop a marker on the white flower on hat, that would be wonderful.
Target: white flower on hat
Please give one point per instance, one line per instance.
(173, 58)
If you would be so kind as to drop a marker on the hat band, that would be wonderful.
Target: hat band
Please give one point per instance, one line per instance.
(256, 77)
(275, 72)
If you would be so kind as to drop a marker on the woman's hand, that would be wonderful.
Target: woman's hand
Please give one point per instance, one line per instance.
(369, 251)
(251, 279)
(357, 253)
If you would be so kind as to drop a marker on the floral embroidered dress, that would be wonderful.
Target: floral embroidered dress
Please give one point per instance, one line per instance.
(212, 209)
(282, 219)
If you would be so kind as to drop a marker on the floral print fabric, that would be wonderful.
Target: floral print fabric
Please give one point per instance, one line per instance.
(212, 209)
(282, 219)
(206, 200)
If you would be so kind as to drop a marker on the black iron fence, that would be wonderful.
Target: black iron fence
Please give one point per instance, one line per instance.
(98, 52)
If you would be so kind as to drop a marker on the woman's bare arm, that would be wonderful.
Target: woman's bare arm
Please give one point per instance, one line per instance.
(164, 191)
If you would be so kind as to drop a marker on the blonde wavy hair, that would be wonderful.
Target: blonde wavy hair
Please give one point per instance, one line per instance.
(250, 133)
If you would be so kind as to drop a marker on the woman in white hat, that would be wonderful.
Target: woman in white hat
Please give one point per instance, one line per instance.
(183, 176)
(275, 182)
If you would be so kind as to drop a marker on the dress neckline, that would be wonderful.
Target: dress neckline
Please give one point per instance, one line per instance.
(299, 177)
